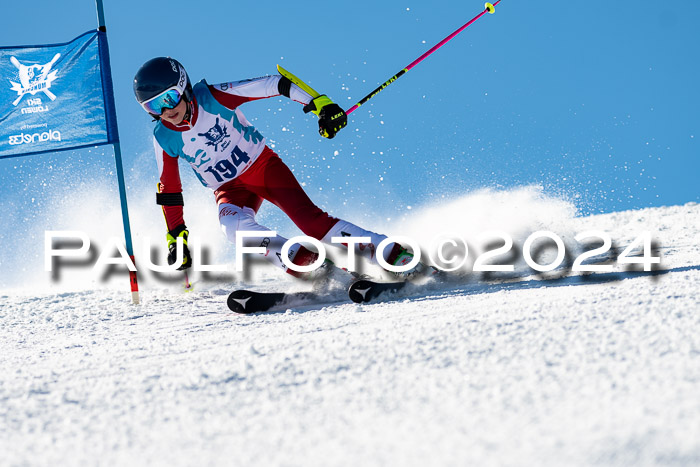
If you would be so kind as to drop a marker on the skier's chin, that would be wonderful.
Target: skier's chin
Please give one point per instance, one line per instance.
(174, 120)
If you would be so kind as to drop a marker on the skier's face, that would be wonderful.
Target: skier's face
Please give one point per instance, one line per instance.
(175, 115)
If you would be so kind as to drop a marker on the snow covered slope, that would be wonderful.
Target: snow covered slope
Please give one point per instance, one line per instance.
(568, 372)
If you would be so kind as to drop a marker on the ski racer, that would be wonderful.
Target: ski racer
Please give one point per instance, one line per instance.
(203, 124)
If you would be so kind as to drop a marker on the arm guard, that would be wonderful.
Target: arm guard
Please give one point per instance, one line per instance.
(284, 86)
(170, 199)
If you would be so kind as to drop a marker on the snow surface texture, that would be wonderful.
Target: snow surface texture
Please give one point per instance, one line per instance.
(534, 372)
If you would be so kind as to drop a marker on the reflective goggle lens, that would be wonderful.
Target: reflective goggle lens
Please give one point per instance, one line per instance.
(166, 100)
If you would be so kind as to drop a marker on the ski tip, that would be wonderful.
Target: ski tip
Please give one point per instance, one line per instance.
(490, 8)
(237, 301)
(359, 291)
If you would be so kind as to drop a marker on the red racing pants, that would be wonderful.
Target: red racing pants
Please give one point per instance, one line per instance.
(270, 179)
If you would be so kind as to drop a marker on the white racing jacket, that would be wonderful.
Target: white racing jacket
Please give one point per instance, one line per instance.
(219, 143)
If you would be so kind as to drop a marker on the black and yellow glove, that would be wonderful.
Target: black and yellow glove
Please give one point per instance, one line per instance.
(331, 118)
(172, 236)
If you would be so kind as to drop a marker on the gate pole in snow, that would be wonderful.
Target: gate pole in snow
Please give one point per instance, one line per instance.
(111, 114)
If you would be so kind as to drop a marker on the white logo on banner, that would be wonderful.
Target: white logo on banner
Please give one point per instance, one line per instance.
(29, 138)
(34, 78)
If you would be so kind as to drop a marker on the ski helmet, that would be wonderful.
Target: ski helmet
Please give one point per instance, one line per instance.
(160, 84)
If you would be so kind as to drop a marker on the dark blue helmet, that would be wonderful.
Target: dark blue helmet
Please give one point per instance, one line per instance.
(156, 77)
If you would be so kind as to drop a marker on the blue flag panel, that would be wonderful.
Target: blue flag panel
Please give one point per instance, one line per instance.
(53, 97)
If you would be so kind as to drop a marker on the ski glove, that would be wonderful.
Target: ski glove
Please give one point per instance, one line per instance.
(331, 118)
(172, 236)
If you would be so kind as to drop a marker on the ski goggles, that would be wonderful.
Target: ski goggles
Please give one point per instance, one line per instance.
(168, 99)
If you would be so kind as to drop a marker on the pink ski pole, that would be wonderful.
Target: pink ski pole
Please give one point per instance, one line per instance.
(489, 8)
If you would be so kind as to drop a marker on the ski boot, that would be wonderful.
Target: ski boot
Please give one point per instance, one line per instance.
(400, 256)
(328, 277)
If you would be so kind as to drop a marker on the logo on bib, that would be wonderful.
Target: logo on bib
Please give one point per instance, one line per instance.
(217, 135)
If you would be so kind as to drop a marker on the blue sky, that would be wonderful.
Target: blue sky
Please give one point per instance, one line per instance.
(596, 102)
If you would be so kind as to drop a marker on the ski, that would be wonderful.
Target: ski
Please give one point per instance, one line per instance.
(247, 301)
(367, 290)
(364, 290)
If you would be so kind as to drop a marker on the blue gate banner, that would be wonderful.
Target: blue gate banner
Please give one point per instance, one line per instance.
(56, 97)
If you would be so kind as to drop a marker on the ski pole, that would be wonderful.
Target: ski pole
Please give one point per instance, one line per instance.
(488, 8)
(188, 284)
